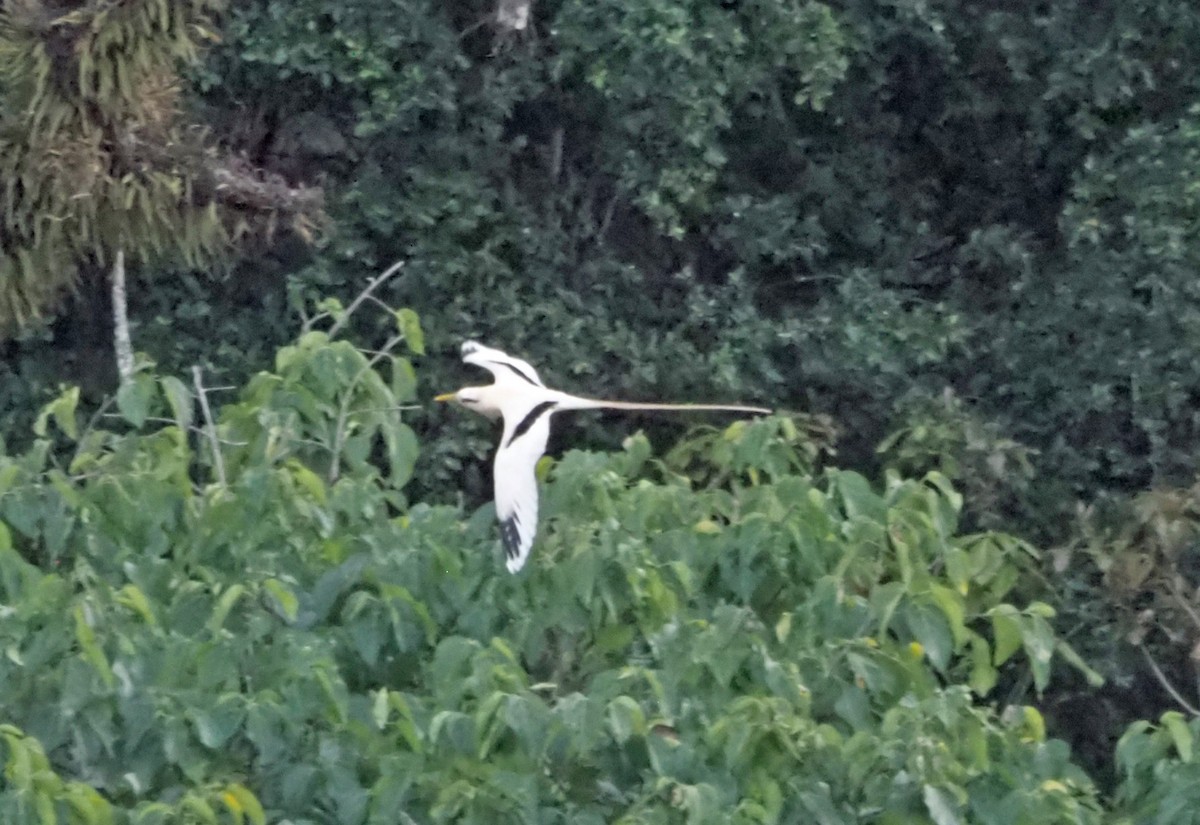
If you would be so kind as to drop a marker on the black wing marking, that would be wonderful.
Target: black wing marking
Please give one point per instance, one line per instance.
(510, 536)
(494, 360)
(529, 420)
(519, 372)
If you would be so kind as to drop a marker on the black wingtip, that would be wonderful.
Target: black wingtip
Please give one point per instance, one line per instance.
(510, 537)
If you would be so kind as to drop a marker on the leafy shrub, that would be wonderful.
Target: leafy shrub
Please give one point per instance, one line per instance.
(197, 624)
(943, 434)
(1160, 777)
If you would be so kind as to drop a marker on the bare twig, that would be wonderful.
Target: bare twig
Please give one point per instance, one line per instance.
(1185, 604)
(607, 221)
(1166, 683)
(95, 419)
(154, 419)
(380, 304)
(121, 340)
(372, 285)
(210, 427)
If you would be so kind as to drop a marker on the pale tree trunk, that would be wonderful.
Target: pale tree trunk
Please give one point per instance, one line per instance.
(121, 341)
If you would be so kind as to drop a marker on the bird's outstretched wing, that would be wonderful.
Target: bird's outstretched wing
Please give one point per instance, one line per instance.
(502, 365)
(521, 446)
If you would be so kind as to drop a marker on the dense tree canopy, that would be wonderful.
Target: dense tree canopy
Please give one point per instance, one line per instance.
(963, 233)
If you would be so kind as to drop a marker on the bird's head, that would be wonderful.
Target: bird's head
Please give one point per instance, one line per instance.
(473, 398)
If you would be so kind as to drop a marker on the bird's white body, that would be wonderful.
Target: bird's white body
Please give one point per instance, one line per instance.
(525, 405)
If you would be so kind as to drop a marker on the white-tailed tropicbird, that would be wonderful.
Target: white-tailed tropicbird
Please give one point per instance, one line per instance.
(519, 397)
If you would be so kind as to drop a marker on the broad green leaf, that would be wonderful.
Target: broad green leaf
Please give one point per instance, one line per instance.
(1181, 734)
(1041, 610)
(1071, 657)
(454, 730)
(404, 722)
(951, 605)
(404, 380)
(983, 674)
(1028, 722)
(1006, 632)
(199, 808)
(133, 399)
(625, 719)
(859, 500)
(289, 605)
(47, 815)
(403, 451)
(529, 719)
(85, 637)
(223, 606)
(701, 802)
(179, 398)
(62, 410)
(216, 724)
(246, 801)
(942, 807)
(132, 596)
(309, 481)
(88, 805)
(409, 324)
(930, 628)
(1038, 639)
(612, 638)
(898, 536)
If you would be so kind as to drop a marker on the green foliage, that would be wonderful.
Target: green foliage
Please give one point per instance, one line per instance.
(670, 77)
(943, 434)
(92, 155)
(1130, 588)
(232, 625)
(841, 208)
(1159, 772)
(1129, 277)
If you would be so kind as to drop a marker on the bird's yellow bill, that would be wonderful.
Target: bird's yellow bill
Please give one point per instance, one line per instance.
(446, 396)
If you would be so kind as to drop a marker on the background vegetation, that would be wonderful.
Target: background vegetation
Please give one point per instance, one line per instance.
(965, 232)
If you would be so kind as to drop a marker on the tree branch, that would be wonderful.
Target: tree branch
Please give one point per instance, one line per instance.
(239, 184)
(1166, 683)
(121, 340)
(210, 427)
(372, 285)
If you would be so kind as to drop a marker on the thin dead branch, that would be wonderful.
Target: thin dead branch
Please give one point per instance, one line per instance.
(1166, 683)
(372, 285)
(210, 427)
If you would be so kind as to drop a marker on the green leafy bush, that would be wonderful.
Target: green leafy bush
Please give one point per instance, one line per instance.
(246, 621)
(1160, 777)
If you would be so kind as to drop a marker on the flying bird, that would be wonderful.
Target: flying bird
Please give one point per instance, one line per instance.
(525, 404)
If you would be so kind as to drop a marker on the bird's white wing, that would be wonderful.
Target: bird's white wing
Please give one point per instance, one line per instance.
(521, 446)
(502, 365)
